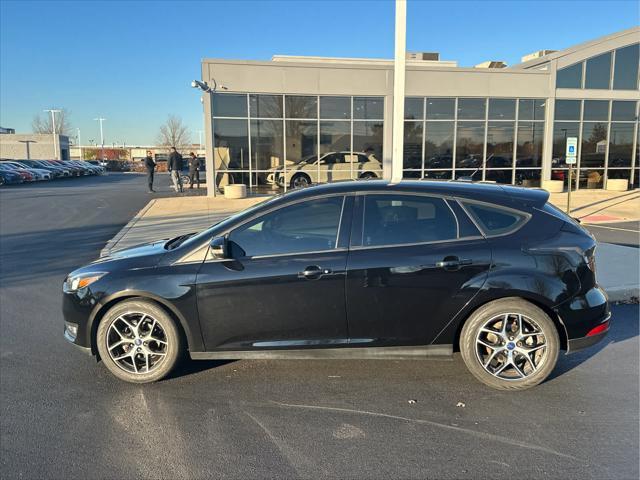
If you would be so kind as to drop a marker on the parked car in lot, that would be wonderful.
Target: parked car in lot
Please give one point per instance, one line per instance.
(57, 170)
(353, 270)
(7, 177)
(330, 167)
(38, 173)
(25, 174)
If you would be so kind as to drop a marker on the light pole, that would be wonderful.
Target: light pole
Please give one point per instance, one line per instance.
(53, 131)
(79, 143)
(200, 132)
(27, 142)
(100, 119)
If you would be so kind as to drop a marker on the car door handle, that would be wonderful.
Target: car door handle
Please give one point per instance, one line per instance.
(453, 263)
(314, 271)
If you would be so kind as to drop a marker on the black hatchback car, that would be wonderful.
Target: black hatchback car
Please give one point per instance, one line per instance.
(353, 270)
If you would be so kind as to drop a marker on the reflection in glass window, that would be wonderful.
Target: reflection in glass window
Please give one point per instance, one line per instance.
(500, 137)
(620, 144)
(302, 140)
(469, 145)
(561, 131)
(596, 110)
(625, 74)
(502, 109)
(438, 174)
(531, 108)
(589, 178)
(367, 138)
(412, 145)
(403, 219)
(229, 105)
(623, 110)
(598, 71)
(266, 144)
(368, 108)
(528, 178)
(567, 109)
(413, 108)
(471, 108)
(298, 106)
(441, 108)
(335, 107)
(438, 147)
(499, 176)
(529, 146)
(570, 77)
(231, 144)
(495, 220)
(310, 226)
(594, 144)
(265, 106)
(335, 137)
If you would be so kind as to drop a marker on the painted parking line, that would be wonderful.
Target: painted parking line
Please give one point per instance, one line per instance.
(612, 228)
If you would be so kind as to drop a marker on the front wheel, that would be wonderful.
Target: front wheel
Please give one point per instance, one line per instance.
(368, 176)
(300, 180)
(186, 180)
(138, 341)
(510, 344)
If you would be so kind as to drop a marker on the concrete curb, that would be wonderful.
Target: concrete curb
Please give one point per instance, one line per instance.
(623, 294)
(111, 244)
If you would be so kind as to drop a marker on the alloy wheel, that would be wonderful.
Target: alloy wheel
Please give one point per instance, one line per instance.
(137, 342)
(511, 346)
(300, 181)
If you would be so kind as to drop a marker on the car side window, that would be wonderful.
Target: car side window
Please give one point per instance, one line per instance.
(309, 226)
(404, 219)
(494, 220)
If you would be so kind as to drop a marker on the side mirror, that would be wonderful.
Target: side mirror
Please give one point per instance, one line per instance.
(218, 248)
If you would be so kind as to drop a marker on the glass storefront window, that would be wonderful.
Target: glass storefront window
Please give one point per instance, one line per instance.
(266, 144)
(369, 108)
(265, 106)
(441, 108)
(567, 109)
(529, 146)
(589, 178)
(500, 137)
(413, 108)
(598, 72)
(438, 174)
(335, 107)
(625, 73)
(499, 176)
(229, 105)
(561, 131)
(526, 177)
(302, 140)
(596, 110)
(299, 106)
(367, 139)
(570, 77)
(471, 108)
(594, 144)
(469, 145)
(620, 145)
(438, 147)
(231, 150)
(335, 136)
(412, 145)
(502, 109)
(531, 108)
(623, 111)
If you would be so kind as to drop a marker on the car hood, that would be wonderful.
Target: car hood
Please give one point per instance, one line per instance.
(142, 250)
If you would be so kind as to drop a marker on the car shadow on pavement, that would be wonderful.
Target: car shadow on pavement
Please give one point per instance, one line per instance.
(619, 332)
(190, 367)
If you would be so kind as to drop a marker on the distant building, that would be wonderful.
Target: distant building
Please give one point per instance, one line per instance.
(34, 146)
(7, 130)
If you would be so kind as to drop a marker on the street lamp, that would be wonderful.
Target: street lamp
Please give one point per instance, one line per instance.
(100, 119)
(53, 131)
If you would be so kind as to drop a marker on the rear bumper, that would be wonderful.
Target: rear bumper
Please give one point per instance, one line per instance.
(577, 344)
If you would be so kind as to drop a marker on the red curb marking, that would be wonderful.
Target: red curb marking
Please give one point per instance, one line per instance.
(599, 218)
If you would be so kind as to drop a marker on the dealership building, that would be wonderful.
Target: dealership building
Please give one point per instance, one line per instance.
(268, 124)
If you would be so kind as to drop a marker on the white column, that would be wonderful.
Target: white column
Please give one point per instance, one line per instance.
(398, 90)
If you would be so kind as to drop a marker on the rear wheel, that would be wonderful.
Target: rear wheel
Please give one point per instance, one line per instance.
(510, 344)
(138, 341)
(300, 180)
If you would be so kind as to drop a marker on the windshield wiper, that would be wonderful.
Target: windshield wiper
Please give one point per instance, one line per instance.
(177, 241)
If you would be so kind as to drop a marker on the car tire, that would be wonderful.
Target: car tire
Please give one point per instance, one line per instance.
(154, 334)
(368, 176)
(300, 180)
(496, 352)
(186, 180)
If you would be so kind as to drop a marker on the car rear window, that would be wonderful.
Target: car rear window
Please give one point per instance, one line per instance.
(494, 220)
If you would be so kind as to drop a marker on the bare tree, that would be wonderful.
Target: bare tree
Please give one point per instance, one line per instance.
(174, 133)
(42, 122)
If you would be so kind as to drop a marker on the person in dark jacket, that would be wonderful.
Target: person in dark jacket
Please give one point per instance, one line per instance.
(150, 165)
(175, 167)
(194, 170)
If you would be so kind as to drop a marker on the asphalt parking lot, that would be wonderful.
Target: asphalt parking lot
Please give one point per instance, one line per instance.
(62, 415)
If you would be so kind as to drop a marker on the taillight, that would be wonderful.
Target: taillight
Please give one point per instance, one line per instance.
(603, 327)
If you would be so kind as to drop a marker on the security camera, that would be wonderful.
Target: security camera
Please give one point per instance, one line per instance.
(201, 85)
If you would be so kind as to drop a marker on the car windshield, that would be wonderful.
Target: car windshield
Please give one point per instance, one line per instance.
(308, 160)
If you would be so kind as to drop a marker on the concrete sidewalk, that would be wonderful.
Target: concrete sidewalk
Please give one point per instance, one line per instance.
(618, 266)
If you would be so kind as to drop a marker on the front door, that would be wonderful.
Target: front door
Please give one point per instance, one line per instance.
(284, 286)
(413, 265)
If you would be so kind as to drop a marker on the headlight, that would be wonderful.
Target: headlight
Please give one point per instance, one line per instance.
(76, 282)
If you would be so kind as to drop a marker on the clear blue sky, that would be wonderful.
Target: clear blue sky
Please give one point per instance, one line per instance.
(132, 62)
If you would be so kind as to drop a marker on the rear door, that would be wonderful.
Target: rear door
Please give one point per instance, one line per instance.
(414, 262)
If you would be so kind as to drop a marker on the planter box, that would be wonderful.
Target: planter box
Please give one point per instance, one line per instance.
(238, 190)
(618, 184)
(553, 186)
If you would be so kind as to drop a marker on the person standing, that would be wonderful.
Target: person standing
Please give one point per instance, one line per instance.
(150, 165)
(194, 170)
(175, 167)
